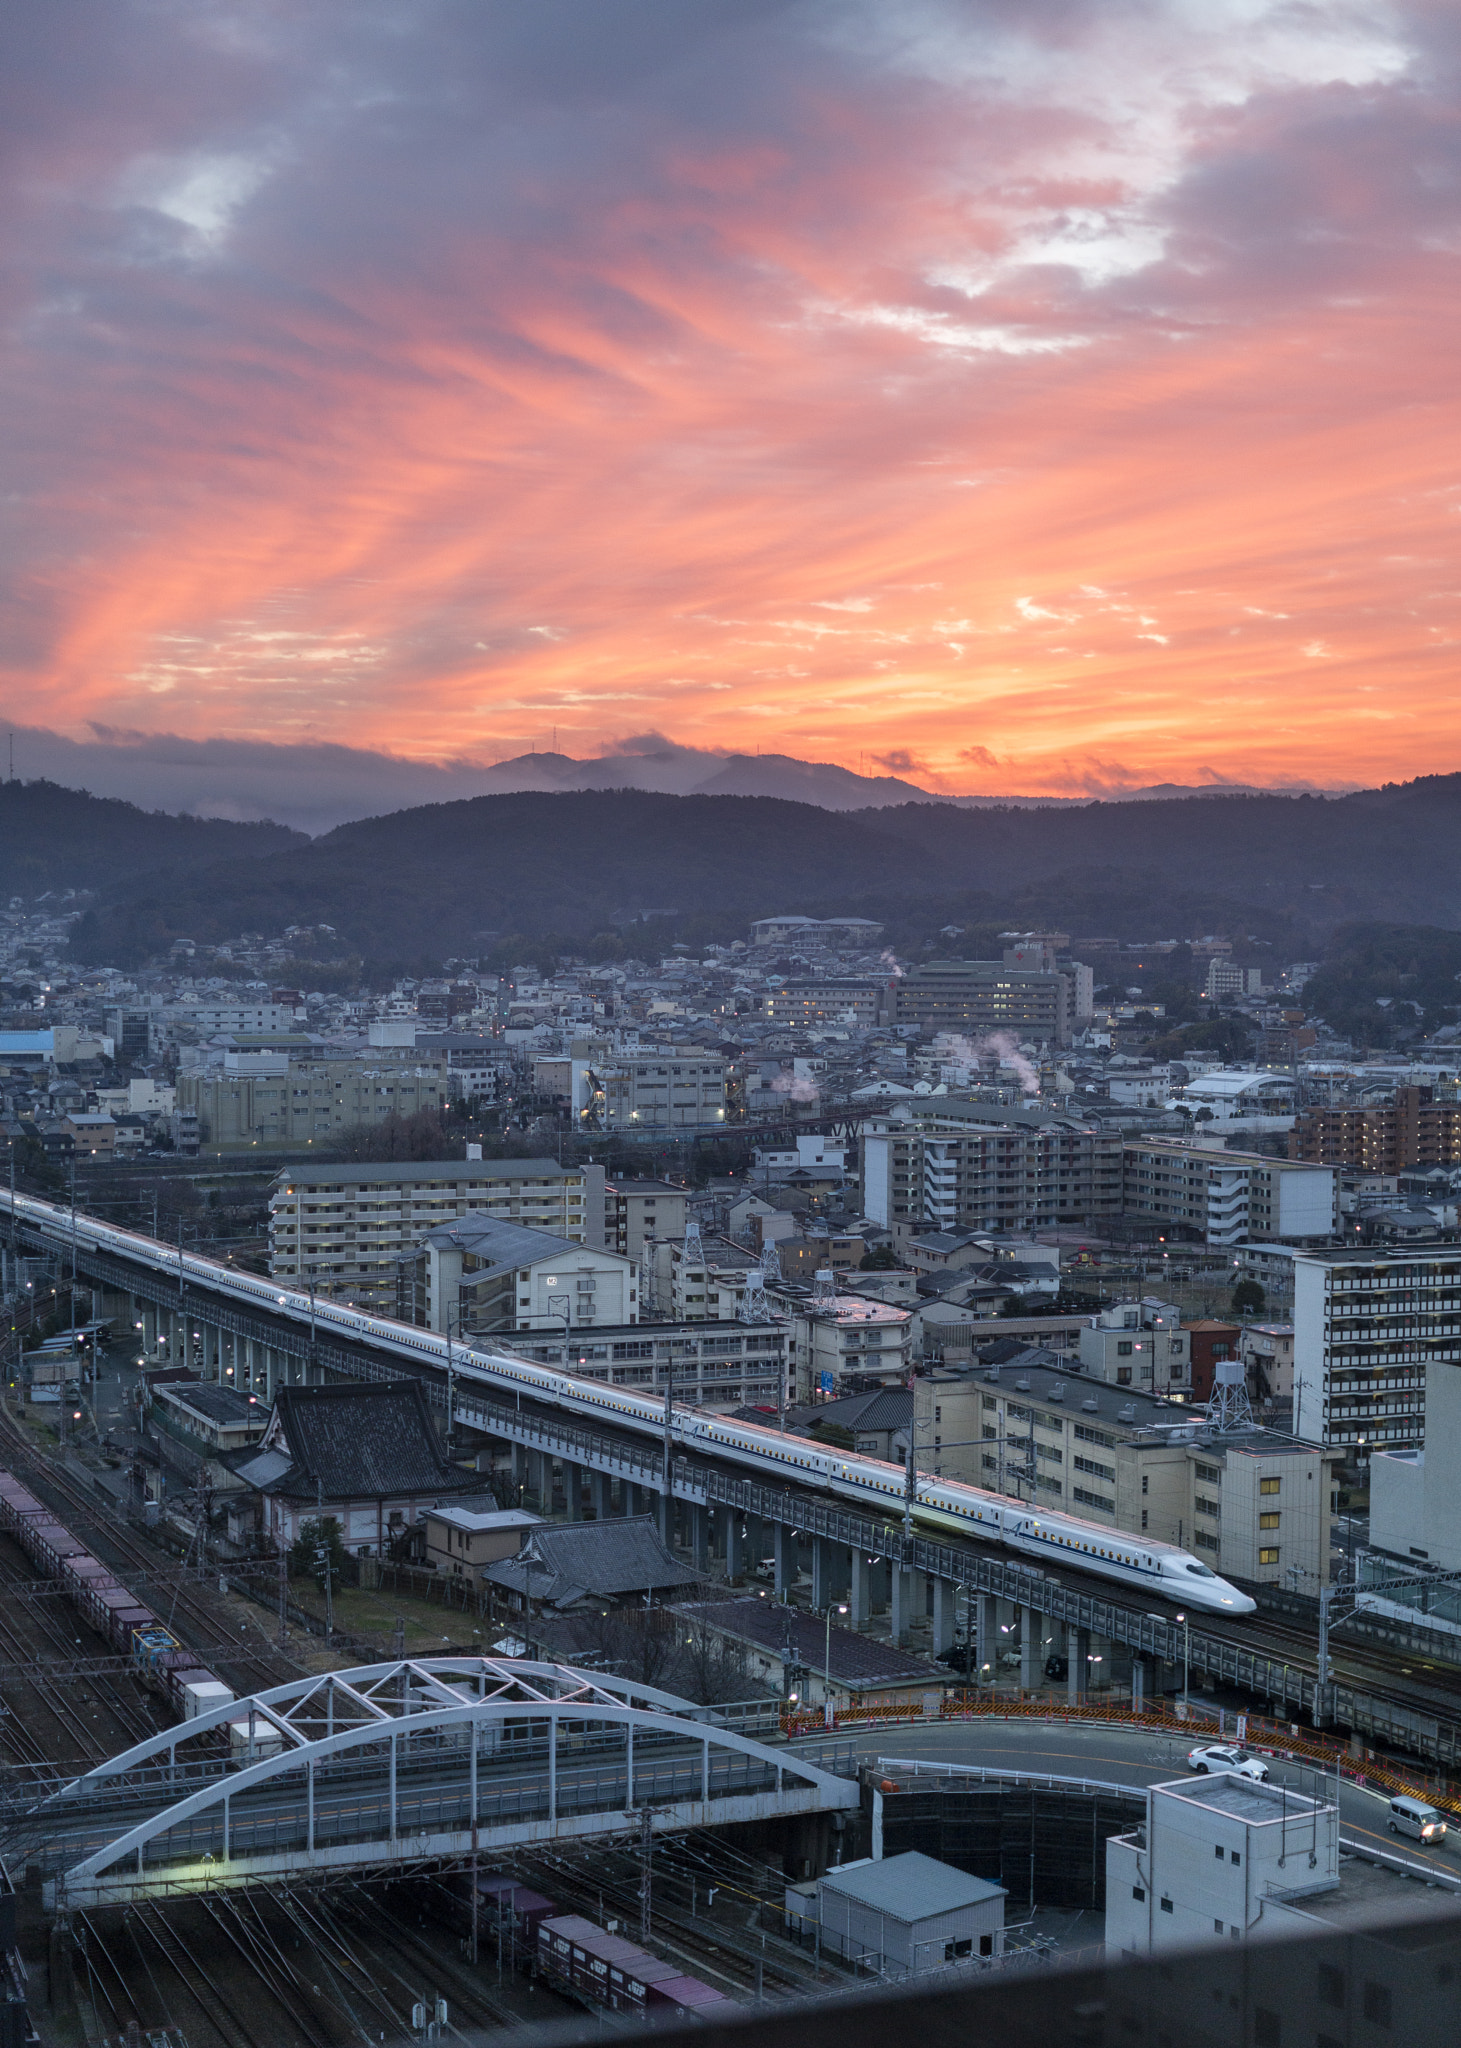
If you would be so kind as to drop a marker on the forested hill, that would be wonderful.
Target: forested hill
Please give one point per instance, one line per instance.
(55, 838)
(450, 878)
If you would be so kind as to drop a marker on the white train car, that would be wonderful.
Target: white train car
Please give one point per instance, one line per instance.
(1159, 1571)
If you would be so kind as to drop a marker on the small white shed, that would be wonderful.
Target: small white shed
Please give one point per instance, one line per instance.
(905, 1915)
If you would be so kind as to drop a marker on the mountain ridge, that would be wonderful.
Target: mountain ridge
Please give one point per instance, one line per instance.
(316, 785)
(460, 877)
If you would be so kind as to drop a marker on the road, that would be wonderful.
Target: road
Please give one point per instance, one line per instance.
(1129, 1757)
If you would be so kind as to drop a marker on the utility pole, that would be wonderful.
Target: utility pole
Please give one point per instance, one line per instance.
(646, 1867)
(283, 1595)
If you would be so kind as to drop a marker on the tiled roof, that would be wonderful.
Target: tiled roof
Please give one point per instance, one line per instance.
(561, 1564)
(855, 1661)
(358, 1443)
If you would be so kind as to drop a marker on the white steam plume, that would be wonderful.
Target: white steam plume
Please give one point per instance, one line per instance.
(996, 1045)
(797, 1086)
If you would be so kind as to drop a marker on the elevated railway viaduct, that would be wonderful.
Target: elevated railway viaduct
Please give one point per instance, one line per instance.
(238, 1330)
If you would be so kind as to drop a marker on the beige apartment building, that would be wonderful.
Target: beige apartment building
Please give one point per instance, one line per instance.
(263, 1101)
(1253, 1505)
(635, 1210)
(669, 1089)
(845, 1336)
(349, 1227)
(1228, 1198)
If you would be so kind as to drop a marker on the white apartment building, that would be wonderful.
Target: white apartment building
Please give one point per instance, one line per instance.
(1226, 1198)
(1139, 1344)
(668, 1089)
(723, 1365)
(349, 1227)
(234, 1014)
(479, 1275)
(1376, 1335)
(707, 1286)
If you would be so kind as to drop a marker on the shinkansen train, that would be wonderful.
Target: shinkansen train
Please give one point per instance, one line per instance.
(1157, 1571)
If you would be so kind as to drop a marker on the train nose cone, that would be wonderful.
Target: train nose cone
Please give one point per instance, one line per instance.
(1239, 1603)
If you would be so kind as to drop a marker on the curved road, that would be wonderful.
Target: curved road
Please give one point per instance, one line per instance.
(1130, 1756)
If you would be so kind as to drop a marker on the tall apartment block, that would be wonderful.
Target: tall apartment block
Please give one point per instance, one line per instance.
(349, 1227)
(1227, 1198)
(1409, 1134)
(1377, 1343)
(1006, 1177)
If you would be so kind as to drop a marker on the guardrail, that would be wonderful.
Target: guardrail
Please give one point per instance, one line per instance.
(1284, 1741)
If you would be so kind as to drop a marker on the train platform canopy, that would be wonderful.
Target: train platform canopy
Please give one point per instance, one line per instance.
(615, 1560)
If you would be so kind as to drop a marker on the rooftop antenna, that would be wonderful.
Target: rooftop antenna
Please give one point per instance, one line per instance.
(11, 776)
(1229, 1408)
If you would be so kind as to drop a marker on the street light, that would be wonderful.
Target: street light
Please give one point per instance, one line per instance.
(827, 1652)
(1186, 1656)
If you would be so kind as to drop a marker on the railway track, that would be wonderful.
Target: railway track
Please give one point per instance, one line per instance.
(709, 1948)
(177, 1600)
(1392, 1676)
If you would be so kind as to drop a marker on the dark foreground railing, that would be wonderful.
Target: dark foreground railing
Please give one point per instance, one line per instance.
(1397, 1982)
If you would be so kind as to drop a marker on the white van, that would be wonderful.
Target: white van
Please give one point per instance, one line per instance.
(1414, 1818)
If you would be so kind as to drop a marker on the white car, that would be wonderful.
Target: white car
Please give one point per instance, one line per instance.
(1219, 1756)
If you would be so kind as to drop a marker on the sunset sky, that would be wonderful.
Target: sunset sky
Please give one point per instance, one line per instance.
(1037, 395)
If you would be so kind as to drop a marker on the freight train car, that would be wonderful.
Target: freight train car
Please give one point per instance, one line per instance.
(126, 1623)
(607, 1970)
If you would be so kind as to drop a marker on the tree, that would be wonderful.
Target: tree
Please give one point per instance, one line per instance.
(707, 1667)
(881, 1259)
(1249, 1299)
(323, 1533)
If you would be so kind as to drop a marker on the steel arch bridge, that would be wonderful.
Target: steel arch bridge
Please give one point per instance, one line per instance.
(412, 1761)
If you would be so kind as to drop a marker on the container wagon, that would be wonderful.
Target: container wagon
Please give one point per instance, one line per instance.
(610, 1971)
(126, 1623)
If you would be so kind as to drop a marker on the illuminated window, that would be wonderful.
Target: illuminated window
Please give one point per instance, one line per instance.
(1268, 1521)
(1268, 1486)
(1268, 1557)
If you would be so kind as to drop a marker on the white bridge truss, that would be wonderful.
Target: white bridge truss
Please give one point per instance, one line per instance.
(412, 1761)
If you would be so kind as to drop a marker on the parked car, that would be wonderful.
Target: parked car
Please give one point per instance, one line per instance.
(1220, 1756)
(1057, 1667)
